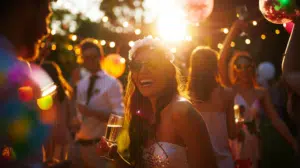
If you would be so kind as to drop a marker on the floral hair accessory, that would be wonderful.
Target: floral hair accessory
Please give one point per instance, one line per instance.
(152, 43)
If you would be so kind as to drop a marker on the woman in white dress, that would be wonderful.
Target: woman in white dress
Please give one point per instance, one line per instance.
(163, 129)
(214, 102)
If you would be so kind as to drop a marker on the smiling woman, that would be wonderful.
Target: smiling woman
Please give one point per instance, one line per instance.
(154, 103)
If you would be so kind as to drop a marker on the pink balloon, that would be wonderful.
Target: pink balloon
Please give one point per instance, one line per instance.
(289, 26)
(198, 10)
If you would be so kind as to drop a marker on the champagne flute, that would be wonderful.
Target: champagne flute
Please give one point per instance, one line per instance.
(238, 113)
(113, 128)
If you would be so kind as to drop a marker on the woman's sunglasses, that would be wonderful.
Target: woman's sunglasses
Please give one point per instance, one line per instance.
(243, 67)
(136, 66)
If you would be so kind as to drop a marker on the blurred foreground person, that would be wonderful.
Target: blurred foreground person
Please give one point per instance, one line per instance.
(26, 90)
(56, 149)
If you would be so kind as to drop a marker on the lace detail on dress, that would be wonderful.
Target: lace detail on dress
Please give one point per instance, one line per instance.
(165, 155)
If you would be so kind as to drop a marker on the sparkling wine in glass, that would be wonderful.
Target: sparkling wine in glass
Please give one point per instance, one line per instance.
(238, 113)
(113, 128)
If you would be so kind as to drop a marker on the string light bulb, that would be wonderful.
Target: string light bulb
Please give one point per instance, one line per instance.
(254, 23)
(277, 31)
(220, 45)
(263, 36)
(105, 19)
(225, 30)
(74, 37)
(131, 43)
(103, 42)
(248, 41)
(125, 24)
(70, 47)
(112, 44)
(232, 44)
(53, 47)
(137, 31)
(96, 41)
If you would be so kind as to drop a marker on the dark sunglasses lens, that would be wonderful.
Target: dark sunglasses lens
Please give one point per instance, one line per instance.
(135, 66)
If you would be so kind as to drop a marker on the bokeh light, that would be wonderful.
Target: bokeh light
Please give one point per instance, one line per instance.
(45, 103)
(248, 41)
(137, 31)
(103, 42)
(263, 36)
(25, 93)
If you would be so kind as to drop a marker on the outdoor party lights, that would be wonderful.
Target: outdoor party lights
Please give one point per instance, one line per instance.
(220, 45)
(277, 31)
(225, 31)
(232, 44)
(137, 31)
(74, 37)
(112, 44)
(131, 43)
(125, 24)
(254, 23)
(103, 42)
(263, 36)
(53, 47)
(105, 19)
(248, 41)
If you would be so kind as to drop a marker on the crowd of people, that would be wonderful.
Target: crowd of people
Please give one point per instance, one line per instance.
(168, 123)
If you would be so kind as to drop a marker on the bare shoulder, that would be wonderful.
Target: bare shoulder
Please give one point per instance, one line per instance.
(229, 93)
(182, 109)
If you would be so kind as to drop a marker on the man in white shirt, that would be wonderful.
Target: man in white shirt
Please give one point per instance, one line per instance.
(98, 95)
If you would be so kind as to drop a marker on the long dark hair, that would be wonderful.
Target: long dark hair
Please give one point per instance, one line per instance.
(138, 109)
(64, 90)
(203, 75)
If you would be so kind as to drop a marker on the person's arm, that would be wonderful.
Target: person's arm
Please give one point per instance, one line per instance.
(231, 126)
(276, 121)
(224, 53)
(190, 126)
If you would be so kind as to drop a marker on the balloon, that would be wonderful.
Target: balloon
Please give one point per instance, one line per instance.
(266, 70)
(289, 26)
(278, 11)
(114, 65)
(198, 10)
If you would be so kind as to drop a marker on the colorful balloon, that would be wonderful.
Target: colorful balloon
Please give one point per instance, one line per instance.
(25, 93)
(114, 65)
(289, 26)
(198, 10)
(278, 11)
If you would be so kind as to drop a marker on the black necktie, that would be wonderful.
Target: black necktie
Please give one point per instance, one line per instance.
(93, 79)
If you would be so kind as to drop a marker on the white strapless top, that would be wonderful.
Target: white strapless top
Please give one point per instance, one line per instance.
(166, 155)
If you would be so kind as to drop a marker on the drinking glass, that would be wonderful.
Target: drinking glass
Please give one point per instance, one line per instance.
(113, 128)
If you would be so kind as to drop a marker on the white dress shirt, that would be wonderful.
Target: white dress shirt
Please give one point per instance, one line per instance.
(106, 98)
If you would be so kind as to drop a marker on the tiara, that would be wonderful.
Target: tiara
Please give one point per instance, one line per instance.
(152, 43)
